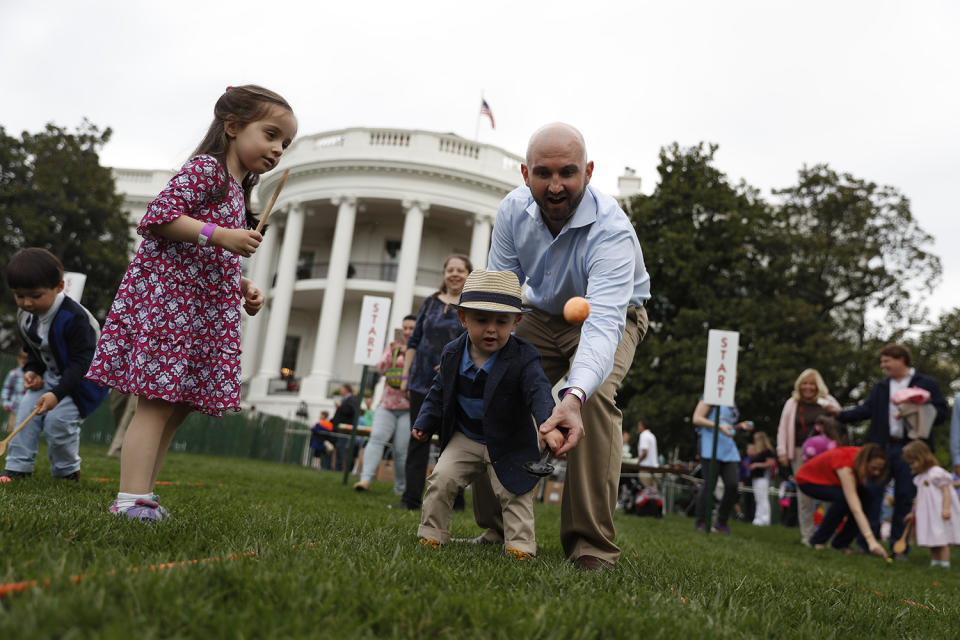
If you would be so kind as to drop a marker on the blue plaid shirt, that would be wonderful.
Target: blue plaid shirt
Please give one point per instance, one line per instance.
(470, 385)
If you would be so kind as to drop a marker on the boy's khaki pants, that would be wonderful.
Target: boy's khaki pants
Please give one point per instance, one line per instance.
(462, 462)
(593, 466)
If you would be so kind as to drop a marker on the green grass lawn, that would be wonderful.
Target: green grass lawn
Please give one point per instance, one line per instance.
(324, 561)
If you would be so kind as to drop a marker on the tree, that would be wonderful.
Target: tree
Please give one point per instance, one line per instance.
(707, 246)
(937, 351)
(849, 248)
(796, 279)
(55, 194)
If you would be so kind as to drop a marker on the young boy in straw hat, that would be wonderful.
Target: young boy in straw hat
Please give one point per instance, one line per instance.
(487, 402)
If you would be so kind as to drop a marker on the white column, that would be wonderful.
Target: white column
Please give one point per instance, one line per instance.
(314, 386)
(415, 212)
(282, 296)
(480, 240)
(260, 273)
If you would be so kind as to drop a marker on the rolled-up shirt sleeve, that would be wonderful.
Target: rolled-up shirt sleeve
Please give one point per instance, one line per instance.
(610, 282)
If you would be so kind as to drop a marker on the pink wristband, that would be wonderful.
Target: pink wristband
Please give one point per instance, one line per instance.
(576, 393)
(205, 234)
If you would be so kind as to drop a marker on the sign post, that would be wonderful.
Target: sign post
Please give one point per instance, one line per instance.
(719, 387)
(370, 336)
(73, 284)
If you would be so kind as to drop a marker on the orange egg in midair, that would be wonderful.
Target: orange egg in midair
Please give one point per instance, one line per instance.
(576, 310)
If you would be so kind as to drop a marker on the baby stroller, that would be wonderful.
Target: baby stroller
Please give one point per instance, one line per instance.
(640, 500)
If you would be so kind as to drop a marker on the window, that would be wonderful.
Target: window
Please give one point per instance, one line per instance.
(391, 258)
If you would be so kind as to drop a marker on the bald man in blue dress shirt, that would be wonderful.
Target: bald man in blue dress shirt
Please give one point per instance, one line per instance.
(564, 239)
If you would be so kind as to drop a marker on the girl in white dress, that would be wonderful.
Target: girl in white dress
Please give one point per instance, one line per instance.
(936, 507)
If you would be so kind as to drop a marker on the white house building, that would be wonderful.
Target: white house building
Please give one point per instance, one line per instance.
(364, 212)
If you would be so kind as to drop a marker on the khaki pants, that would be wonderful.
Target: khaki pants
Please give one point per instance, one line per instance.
(593, 466)
(464, 461)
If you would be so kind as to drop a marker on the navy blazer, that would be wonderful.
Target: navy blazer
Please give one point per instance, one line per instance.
(877, 408)
(72, 337)
(516, 393)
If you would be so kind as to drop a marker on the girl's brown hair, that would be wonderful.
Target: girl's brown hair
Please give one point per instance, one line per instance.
(918, 451)
(454, 256)
(834, 429)
(868, 452)
(238, 105)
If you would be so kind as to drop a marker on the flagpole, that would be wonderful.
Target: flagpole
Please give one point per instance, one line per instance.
(476, 130)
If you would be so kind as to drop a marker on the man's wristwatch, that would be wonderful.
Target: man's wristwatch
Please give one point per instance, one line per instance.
(576, 392)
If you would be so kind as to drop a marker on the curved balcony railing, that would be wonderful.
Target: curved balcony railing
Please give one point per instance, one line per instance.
(383, 271)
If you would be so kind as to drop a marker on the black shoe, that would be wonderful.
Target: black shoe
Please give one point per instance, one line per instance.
(75, 477)
(8, 476)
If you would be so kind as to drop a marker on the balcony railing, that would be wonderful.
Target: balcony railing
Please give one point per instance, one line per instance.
(383, 271)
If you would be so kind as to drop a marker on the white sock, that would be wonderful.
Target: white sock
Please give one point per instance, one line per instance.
(127, 500)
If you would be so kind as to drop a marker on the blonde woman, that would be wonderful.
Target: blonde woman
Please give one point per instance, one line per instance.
(809, 400)
(761, 468)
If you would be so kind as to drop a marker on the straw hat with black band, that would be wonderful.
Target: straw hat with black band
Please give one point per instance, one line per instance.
(492, 291)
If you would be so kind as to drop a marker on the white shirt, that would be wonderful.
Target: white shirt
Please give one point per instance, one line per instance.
(896, 424)
(648, 441)
(596, 255)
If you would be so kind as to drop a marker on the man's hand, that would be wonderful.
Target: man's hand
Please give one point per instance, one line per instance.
(946, 513)
(832, 409)
(419, 435)
(32, 381)
(565, 415)
(784, 462)
(242, 242)
(46, 402)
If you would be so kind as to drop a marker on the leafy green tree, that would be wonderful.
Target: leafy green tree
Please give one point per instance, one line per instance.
(937, 352)
(55, 194)
(797, 279)
(707, 245)
(849, 248)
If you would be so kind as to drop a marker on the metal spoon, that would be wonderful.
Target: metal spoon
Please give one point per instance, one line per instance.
(540, 468)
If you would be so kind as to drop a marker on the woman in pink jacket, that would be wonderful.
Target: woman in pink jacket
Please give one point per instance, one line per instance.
(809, 400)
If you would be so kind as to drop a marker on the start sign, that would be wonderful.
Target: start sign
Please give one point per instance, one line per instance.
(720, 379)
(373, 330)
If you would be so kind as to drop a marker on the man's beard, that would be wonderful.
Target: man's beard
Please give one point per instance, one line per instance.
(560, 217)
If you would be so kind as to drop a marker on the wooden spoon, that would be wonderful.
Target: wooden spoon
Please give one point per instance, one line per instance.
(273, 200)
(6, 441)
(901, 545)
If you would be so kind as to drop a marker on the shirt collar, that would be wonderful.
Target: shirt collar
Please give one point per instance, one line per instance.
(47, 315)
(466, 362)
(910, 373)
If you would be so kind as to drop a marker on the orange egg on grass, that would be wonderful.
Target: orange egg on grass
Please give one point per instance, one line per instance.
(576, 310)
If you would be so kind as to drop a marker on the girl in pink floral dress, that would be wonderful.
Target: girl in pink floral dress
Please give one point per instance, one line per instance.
(172, 337)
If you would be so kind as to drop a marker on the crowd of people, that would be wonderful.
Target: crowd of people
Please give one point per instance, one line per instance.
(475, 366)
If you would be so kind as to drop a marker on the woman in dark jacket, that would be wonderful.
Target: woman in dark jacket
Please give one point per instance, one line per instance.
(437, 324)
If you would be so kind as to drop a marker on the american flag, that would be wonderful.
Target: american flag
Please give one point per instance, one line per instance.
(485, 111)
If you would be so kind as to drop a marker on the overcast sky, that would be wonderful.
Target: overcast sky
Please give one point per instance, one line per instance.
(869, 87)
